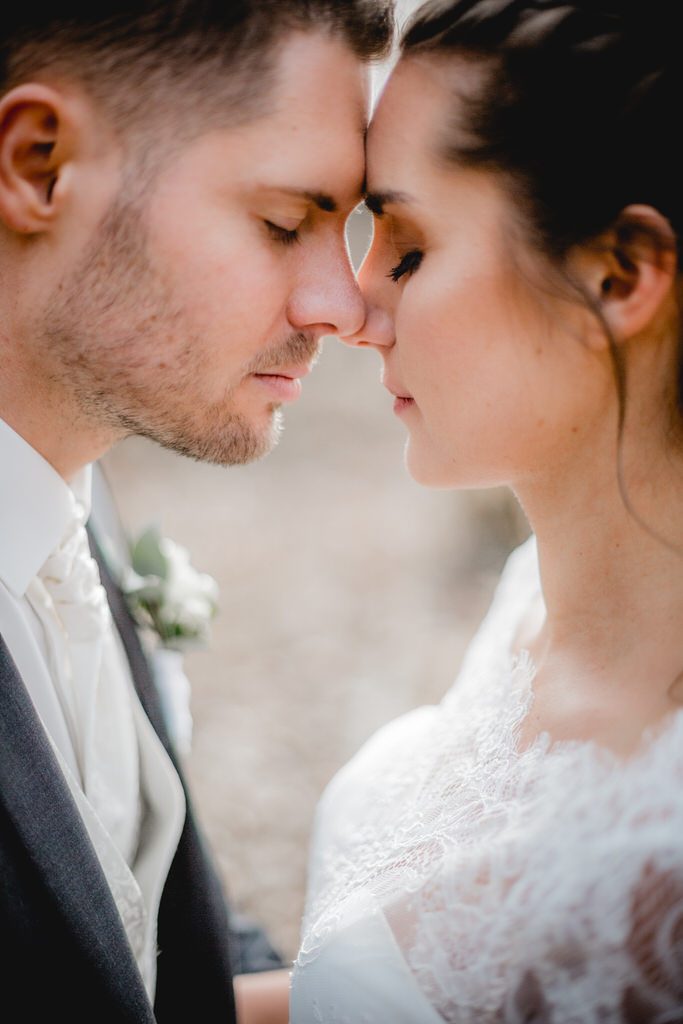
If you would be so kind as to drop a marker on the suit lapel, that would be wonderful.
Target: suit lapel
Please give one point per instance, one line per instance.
(37, 799)
(144, 684)
(194, 934)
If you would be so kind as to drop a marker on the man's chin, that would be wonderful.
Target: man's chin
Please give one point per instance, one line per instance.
(234, 443)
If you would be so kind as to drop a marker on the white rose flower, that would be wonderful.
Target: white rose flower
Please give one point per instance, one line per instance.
(168, 593)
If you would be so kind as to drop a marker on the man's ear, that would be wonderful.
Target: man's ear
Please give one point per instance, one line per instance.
(37, 140)
(630, 272)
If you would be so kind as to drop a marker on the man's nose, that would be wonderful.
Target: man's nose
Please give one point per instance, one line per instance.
(329, 301)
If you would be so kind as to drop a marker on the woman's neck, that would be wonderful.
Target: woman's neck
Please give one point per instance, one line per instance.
(612, 588)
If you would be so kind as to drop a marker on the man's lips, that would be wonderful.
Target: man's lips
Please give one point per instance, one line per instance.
(285, 383)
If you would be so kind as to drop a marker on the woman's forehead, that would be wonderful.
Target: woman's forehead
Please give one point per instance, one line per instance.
(402, 129)
(421, 113)
(414, 125)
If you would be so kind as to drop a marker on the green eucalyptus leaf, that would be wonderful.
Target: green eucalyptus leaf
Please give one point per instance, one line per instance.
(146, 554)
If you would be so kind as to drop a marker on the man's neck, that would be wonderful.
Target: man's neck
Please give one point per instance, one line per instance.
(53, 428)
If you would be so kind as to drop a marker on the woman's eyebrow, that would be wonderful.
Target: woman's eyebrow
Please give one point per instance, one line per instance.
(376, 201)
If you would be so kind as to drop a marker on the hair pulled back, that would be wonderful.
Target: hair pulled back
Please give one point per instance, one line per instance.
(581, 104)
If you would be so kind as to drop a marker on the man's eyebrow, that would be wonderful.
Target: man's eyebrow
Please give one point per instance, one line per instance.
(321, 199)
(376, 201)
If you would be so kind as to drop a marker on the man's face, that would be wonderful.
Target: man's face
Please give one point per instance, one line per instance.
(191, 314)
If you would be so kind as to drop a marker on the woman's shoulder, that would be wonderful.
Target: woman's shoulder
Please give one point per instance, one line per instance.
(412, 731)
(520, 570)
(518, 583)
(388, 745)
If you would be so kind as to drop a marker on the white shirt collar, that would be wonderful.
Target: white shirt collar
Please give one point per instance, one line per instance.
(36, 507)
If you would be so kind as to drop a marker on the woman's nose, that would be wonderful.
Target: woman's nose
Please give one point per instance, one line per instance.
(376, 332)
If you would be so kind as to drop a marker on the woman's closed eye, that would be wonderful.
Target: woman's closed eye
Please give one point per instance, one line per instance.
(408, 265)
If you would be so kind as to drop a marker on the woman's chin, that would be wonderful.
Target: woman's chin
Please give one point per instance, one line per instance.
(428, 471)
(443, 473)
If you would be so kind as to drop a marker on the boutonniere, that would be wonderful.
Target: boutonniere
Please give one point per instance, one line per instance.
(166, 594)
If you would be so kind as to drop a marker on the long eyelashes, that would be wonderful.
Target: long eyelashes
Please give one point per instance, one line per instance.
(408, 265)
(282, 235)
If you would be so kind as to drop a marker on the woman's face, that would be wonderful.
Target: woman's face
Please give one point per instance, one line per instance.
(491, 377)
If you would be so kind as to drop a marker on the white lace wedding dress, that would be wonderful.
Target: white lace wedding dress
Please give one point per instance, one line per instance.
(456, 878)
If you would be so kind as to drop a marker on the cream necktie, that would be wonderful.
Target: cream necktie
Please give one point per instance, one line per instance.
(91, 681)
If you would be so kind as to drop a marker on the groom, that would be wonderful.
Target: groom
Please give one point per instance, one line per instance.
(174, 182)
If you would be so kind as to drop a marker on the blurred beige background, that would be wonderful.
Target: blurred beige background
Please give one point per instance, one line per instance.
(348, 595)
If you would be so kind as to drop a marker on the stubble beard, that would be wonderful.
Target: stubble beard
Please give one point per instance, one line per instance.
(105, 335)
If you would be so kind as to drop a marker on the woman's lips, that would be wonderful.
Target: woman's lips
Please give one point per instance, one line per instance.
(401, 403)
(402, 400)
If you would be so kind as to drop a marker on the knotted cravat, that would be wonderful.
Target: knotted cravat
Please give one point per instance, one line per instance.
(72, 579)
(128, 793)
(90, 677)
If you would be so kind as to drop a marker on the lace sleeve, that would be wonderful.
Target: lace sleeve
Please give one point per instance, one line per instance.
(599, 941)
(652, 990)
(655, 949)
(644, 976)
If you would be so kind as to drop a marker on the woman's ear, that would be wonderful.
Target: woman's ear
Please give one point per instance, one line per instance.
(630, 272)
(37, 138)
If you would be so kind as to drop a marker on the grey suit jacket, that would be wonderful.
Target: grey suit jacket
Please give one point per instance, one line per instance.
(63, 949)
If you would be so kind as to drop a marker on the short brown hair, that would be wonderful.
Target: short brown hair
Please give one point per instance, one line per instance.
(179, 52)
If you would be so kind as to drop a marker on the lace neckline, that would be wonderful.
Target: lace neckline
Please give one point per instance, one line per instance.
(522, 667)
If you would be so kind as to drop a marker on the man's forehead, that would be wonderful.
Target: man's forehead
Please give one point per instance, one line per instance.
(310, 145)
(321, 94)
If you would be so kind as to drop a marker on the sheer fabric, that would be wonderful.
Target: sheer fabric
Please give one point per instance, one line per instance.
(455, 877)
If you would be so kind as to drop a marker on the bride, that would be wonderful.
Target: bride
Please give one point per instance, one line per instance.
(516, 853)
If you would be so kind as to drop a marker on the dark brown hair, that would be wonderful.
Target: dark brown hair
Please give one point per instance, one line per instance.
(580, 102)
(181, 54)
